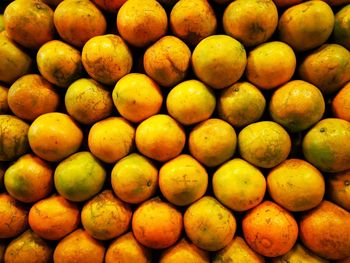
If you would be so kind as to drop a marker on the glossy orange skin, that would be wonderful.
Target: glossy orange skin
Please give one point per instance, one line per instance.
(341, 103)
(338, 188)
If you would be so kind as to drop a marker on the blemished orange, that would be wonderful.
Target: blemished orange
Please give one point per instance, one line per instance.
(13, 216)
(341, 103)
(77, 21)
(250, 28)
(287, 185)
(54, 136)
(325, 230)
(184, 251)
(239, 185)
(4, 107)
(137, 97)
(105, 216)
(212, 142)
(190, 102)
(183, 180)
(79, 246)
(141, 23)
(341, 30)
(193, 20)
(270, 230)
(208, 224)
(54, 217)
(126, 249)
(157, 224)
(338, 188)
(160, 137)
(31, 96)
(29, 248)
(111, 6)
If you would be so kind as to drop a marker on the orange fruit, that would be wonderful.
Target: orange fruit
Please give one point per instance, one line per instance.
(4, 107)
(341, 33)
(216, 55)
(192, 20)
(160, 137)
(341, 103)
(126, 249)
(13, 137)
(264, 144)
(297, 105)
(79, 246)
(300, 27)
(241, 104)
(54, 217)
(54, 136)
(327, 145)
(325, 230)
(208, 224)
(137, 97)
(87, 101)
(134, 178)
(13, 216)
(239, 185)
(29, 248)
(77, 21)
(167, 61)
(183, 180)
(338, 188)
(212, 142)
(250, 28)
(296, 185)
(157, 224)
(141, 23)
(269, 229)
(110, 6)
(287, 3)
(271, 64)
(31, 96)
(190, 102)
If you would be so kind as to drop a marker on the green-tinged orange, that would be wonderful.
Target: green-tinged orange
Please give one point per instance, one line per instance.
(341, 32)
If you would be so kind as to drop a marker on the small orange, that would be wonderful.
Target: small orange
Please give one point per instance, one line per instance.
(4, 107)
(338, 188)
(341, 31)
(111, 6)
(341, 103)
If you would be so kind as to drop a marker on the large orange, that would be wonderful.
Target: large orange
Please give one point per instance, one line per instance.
(341, 103)
(338, 188)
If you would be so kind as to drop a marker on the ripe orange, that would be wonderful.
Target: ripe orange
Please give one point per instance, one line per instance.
(341, 103)
(4, 107)
(341, 31)
(338, 188)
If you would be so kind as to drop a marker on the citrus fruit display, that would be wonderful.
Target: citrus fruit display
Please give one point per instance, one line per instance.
(174, 131)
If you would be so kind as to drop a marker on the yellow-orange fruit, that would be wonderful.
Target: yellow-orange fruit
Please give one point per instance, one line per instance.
(111, 6)
(4, 107)
(341, 103)
(338, 188)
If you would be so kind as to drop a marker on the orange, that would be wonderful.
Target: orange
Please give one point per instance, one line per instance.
(79, 177)
(105, 216)
(271, 64)
(300, 25)
(212, 142)
(29, 179)
(29, 23)
(209, 225)
(134, 178)
(54, 136)
(237, 251)
(325, 230)
(111, 6)
(54, 217)
(341, 103)
(270, 230)
(167, 61)
(297, 105)
(341, 33)
(31, 96)
(327, 67)
(192, 20)
(126, 249)
(216, 55)
(296, 185)
(105, 135)
(77, 21)
(79, 246)
(190, 102)
(338, 188)
(186, 252)
(107, 58)
(137, 97)
(141, 23)
(264, 144)
(87, 101)
(327, 145)
(160, 137)
(4, 107)
(29, 248)
(157, 224)
(241, 104)
(250, 27)
(13, 137)
(59, 63)
(239, 185)
(287, 3)
(183, 180)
